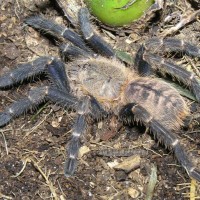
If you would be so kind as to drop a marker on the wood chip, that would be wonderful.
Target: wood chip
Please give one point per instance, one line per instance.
(129, 164)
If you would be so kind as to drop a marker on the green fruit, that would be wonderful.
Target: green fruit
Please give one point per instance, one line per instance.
(118, 12)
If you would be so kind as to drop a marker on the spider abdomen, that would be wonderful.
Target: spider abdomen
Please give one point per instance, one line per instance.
(162, 101)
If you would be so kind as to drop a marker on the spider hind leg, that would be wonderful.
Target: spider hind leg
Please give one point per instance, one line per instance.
(168, 138)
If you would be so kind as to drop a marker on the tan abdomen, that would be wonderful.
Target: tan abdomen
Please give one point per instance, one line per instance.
(162, 101)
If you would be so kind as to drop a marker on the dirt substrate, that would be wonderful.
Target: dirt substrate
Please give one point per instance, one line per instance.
(32, 147)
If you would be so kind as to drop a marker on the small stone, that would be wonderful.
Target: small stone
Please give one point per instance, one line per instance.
(10, 51)
(133, 193)
(83, 150)
(112, 164)
(55, 124)
(120, 175)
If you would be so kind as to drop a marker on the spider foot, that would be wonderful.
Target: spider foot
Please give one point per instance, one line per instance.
(182, 157)
(70, 166)
(4, 118)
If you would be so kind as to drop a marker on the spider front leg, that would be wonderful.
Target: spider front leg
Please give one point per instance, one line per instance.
(96, 42)
(50, 65)
(164, 135)
(56, 30)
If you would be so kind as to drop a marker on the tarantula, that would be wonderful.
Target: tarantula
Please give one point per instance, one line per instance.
(97, 85)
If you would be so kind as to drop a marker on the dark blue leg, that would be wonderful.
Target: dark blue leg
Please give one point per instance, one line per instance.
(96, 42)
(147, 62)
(69, 51)
(24, 71)
(52, 66)
(78, 130)
(86, 108)
(167, 67)
(58, 76)
(56, 30)
(171, 45)
(34, 98)
(169, 139)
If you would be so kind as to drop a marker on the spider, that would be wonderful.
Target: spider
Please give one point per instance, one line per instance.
(96, 84)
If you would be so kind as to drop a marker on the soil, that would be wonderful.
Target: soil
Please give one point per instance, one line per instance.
(32, 147)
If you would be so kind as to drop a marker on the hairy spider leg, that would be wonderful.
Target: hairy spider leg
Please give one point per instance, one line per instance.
(58, 93)
(69, 51)
(87, 106)
(95, 41)
(50, 65)
(146, 62)
(58, 31)
(34, 98)
(78, 129)
(57, 75)
(142, 66)
(24, 71)
(50, 27)
(186, 77)
(171, 44)
(168, 45)
(165, 136)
